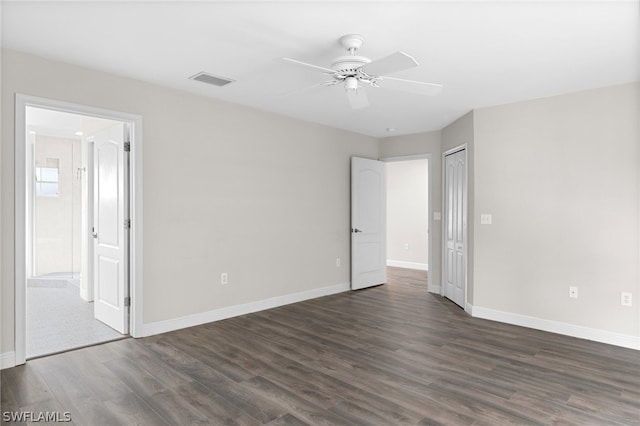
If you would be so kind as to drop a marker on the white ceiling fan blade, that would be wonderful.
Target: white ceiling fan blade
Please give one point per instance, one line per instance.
(389, 64)
(307, 88)
(358, 98)
(294, 61)
(411, 86)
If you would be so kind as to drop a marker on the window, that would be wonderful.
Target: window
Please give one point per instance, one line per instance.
(47, 178)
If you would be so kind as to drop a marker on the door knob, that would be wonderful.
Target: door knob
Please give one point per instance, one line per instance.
(355, 230)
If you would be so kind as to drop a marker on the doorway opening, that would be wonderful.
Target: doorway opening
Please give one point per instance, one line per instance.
(76, 274)
(408, 218)
(59, 295)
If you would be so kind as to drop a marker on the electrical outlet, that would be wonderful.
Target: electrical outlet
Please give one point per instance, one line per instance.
(486, 219)
(437, 216)
(224, 278)
(406, 246)
(338, 262)
(625, 299)
(573, 292)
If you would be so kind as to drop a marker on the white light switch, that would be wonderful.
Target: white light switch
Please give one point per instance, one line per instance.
(437, 216)
(485, 219)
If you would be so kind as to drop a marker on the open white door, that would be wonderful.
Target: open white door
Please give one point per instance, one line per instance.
(368, 223)
(110, 233)
(455, 190)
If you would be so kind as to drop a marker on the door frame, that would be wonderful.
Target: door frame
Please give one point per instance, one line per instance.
(23, 101)
(462, 147)
(432, 287)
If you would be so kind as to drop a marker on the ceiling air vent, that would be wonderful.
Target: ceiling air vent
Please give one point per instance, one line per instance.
(211, 79)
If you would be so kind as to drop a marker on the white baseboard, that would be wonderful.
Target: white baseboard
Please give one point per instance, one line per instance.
(237, 310)
(608, 337)
(409, 265)
(7, 360)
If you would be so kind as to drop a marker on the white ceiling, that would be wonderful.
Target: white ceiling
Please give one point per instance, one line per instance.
(484, 53)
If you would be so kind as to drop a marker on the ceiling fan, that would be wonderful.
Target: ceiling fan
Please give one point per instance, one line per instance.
(354, 71)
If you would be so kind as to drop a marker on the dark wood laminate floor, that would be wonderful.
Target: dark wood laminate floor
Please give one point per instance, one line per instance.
(389, 355)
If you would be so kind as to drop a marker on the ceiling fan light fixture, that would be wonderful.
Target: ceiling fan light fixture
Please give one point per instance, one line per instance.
(351, 83)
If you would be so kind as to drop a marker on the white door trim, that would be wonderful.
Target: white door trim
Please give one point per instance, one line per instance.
(432, 286)
(86, 292)
(135, 187)
(443, 248)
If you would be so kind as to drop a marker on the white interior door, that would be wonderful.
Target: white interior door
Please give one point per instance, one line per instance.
(368, 223)
(110, 209)
(455, 227)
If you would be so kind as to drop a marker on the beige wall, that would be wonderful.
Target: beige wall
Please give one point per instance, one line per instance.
(407, 212)
(561, 178)
(226, 189)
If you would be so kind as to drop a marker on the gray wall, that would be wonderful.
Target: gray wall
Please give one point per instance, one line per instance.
(561, 178)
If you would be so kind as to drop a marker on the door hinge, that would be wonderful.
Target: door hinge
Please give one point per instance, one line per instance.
(127, 302)
(127, 147)
(127, 224)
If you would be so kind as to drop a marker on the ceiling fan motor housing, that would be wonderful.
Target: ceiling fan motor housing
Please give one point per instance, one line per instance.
(348, 65)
